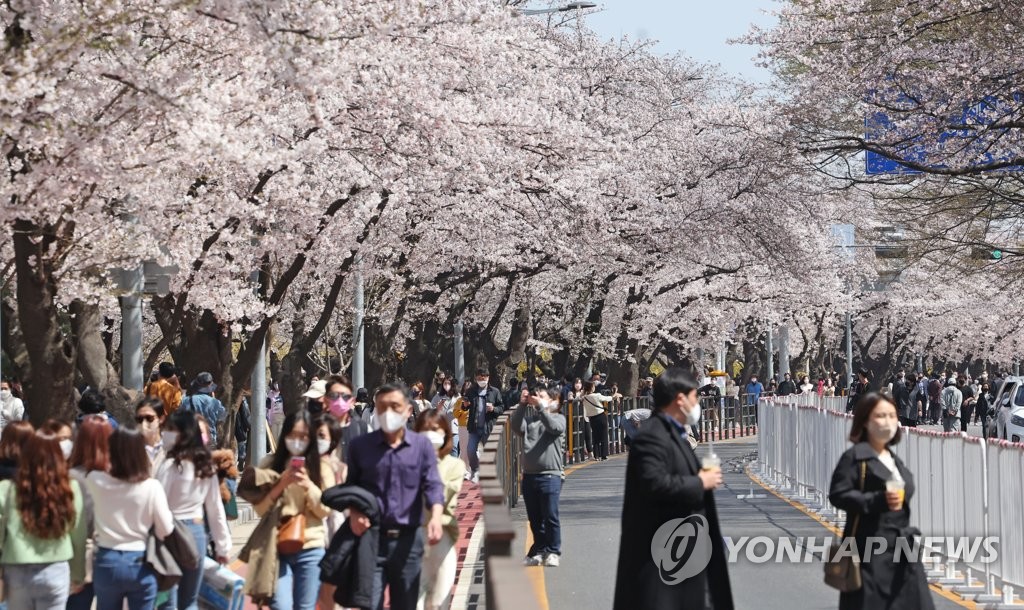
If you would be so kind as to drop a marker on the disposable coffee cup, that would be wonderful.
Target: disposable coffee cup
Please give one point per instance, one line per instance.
(711, 462)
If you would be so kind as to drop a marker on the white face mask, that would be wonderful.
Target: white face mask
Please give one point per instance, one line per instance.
(436, 438)
(65, 447)
(169, 438)
(296, 446)
(693, 415)
(882, 432)
(482, 383)
(5, 394)
(323, 445)
(390, 421)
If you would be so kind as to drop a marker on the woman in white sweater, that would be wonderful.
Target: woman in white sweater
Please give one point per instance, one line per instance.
(192, 485)
(127, 504)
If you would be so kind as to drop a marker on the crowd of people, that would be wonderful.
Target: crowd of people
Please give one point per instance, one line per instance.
(357, 496)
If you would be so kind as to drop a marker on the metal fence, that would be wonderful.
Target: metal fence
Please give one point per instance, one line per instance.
(721, 418)
(966, 487)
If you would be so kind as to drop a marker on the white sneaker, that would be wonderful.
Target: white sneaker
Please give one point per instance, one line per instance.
(536, 560)
(552, 560)
(467, 476)
(476, 478)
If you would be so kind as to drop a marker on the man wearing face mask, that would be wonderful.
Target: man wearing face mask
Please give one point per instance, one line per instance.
(485, 405)
(665, 482)
(399, 467)
(542, 427)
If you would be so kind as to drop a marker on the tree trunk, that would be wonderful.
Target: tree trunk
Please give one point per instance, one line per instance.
(49, 385)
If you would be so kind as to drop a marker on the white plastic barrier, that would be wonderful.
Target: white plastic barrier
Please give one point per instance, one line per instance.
(965, 487)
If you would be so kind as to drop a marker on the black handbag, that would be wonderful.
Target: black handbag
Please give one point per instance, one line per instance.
(843, 574)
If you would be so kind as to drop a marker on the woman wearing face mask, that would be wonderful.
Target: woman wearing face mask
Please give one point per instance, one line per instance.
(419, 404)
(62, 431)
(460, 411)
(193, 495)
(91, 453)
(542, 428)
(149, 416)
(439, 560)
(328, 436)
(874, 487)
(293, 480)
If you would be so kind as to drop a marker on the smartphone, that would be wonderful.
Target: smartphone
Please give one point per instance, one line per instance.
(298, 462)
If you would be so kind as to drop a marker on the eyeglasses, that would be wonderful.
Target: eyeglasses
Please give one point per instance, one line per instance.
(145, 418)
(339, 395)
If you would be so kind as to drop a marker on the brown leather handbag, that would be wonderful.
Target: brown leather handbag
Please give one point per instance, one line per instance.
(291, 535)
(843, 573)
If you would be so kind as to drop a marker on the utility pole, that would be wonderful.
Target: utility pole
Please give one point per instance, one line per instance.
(358, 357)
(131, 330)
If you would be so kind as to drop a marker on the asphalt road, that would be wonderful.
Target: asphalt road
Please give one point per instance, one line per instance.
(591, 507)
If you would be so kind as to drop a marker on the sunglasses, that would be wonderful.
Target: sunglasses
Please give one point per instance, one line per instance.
(145, 418)
(337, 395)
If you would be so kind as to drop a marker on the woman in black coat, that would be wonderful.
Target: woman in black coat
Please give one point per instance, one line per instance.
(876, 513)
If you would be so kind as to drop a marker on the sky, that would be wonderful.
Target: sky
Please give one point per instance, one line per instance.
(698, 29)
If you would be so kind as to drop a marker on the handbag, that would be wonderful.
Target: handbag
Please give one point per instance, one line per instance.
(843, 574)
(291, 535)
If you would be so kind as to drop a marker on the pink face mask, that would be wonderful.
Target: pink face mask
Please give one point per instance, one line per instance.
(339, 407)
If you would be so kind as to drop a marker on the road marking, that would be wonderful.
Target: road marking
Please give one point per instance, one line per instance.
(536, 574)
(956, 599)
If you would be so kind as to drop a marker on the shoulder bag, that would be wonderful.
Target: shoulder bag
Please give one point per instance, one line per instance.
(291, 535)
(843, 574)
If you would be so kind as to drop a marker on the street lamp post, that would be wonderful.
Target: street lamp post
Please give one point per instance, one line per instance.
(358, 358)
(257, 447)
(460, 353)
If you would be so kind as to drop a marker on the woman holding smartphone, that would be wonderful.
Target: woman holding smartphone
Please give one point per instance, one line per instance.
(303, 477)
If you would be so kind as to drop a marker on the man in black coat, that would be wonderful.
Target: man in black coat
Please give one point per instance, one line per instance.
(669, 512)
(485, 404)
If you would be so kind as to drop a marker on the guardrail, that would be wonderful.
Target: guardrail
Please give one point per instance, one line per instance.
(966, 487)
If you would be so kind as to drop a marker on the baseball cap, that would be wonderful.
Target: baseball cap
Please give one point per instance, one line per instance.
(317, 389)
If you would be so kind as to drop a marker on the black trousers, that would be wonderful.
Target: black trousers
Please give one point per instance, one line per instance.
(399, 561)
(599, 426)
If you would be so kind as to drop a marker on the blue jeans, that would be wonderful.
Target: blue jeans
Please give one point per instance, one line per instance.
(455, 439)
(123, 575)
(399, 563)
(629, 427)
(298, 580)
(540, 494)
(38, 586)
(475, 439)
(185, 596)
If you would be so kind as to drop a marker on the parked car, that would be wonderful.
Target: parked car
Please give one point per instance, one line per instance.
(1009, 406)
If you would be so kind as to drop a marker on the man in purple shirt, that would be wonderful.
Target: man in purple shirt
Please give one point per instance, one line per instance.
(399, 467)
